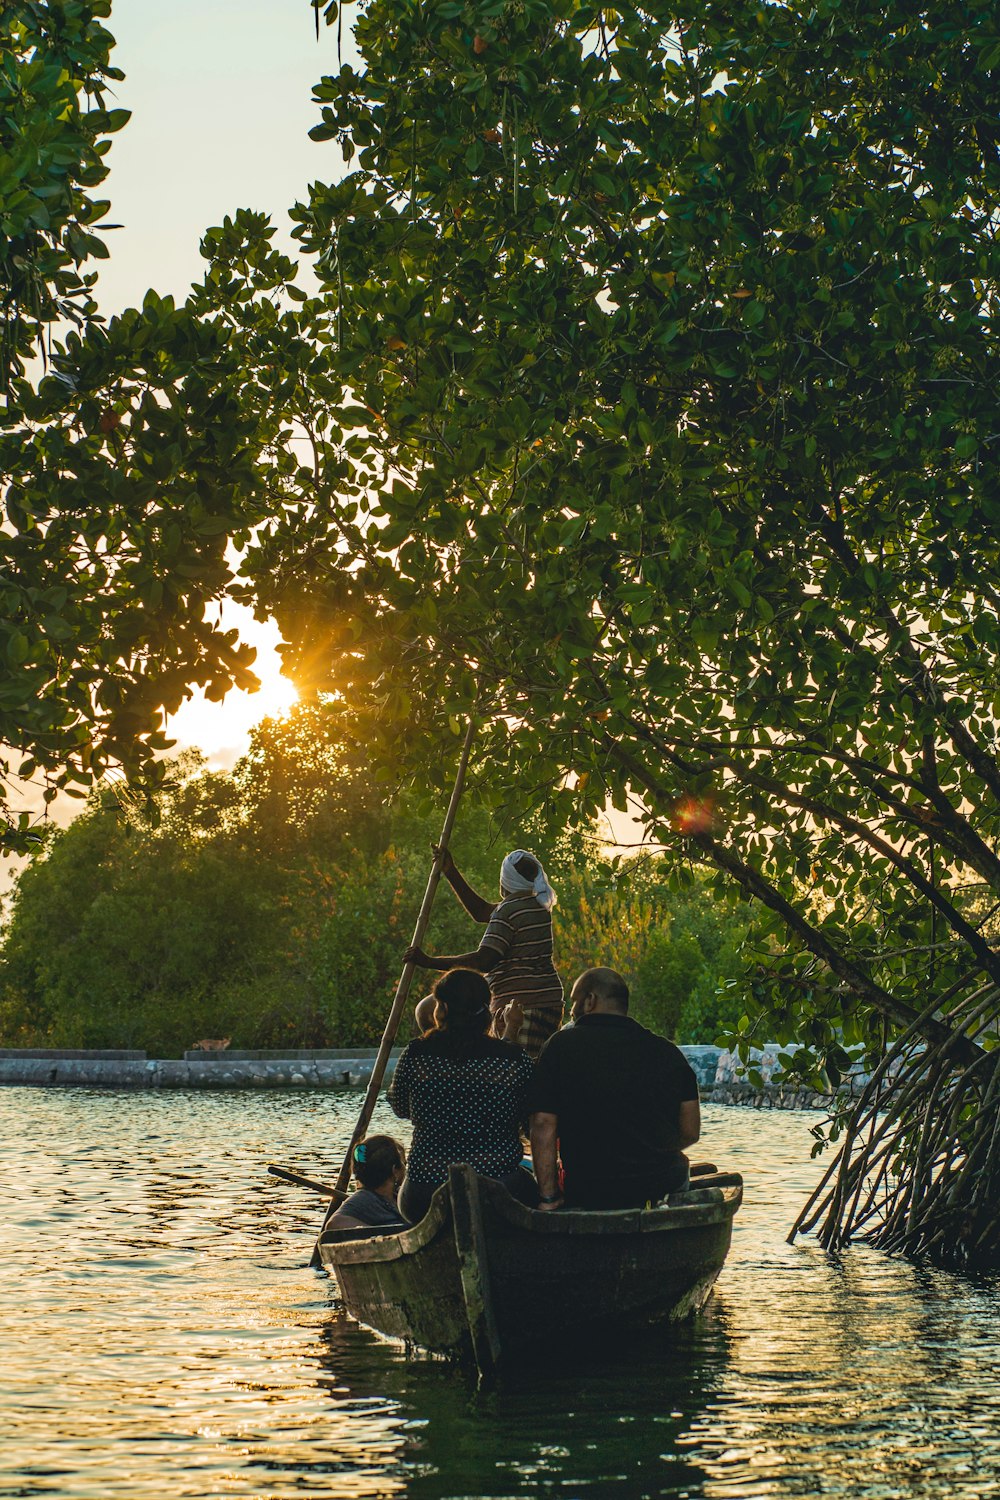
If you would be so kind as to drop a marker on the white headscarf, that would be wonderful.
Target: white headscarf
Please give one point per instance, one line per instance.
(517, 884)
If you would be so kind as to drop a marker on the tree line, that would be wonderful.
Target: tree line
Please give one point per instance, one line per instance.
(271, 905)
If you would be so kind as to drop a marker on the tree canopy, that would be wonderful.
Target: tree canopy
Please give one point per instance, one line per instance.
(665, 349)
(655, 422)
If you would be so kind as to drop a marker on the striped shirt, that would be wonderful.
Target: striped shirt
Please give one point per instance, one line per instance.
(521, 932)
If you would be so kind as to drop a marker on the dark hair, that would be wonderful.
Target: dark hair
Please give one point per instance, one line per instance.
(527, 866)
(462, 1014)
(374, 1158)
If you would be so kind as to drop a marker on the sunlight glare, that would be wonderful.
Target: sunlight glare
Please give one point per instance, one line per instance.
(222, 730)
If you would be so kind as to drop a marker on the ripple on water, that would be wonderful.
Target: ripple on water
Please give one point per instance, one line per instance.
(160, 1333)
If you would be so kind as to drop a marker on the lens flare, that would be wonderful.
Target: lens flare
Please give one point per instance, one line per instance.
(694, 815)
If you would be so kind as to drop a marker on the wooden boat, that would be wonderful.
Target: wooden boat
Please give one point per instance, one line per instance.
(483, 1278)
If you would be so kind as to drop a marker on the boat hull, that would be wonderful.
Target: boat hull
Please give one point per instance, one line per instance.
(482, 1276)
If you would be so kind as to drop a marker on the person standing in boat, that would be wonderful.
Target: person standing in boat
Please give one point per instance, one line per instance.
(466, 1094)
(618, 1103)
(515, 953)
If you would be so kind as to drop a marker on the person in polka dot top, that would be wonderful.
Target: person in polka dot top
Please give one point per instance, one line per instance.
(465, 1093)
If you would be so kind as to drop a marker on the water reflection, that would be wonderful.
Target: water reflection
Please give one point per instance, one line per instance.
(161, 1333)
(872, 1382)
(555, 1424)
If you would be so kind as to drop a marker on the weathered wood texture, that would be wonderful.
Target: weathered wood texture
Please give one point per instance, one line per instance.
(535, 1275)
(474, 1268)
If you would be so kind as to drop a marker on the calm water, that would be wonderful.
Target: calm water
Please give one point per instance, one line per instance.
(161, 1335)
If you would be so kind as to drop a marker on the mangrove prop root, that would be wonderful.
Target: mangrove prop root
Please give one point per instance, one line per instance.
(918, 1171)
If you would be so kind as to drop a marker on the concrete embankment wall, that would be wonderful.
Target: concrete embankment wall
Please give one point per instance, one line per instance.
(334, 1068)
(771, 1096)
(331, 1068)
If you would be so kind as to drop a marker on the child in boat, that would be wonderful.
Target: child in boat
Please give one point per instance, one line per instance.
(379, 1164)
(516, 950)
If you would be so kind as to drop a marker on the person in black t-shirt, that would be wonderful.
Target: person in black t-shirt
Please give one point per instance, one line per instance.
(617, 1102)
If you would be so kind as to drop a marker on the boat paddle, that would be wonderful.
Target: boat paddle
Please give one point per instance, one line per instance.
(402, 991)
(299, 1179)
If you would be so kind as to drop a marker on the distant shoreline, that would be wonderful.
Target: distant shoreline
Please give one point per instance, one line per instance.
(300, 1068)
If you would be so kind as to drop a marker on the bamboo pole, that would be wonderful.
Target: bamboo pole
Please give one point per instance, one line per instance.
(403, 987)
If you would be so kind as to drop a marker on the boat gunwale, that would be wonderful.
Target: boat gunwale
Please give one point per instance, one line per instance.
(356, 1247)
(409, 1241)
(608, 1221)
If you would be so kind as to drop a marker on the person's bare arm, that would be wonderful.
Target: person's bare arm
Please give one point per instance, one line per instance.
(484, 959)
(689, 1123)
(479, 909)
(544, 1139)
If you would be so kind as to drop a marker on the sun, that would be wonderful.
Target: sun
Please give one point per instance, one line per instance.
(222, 730)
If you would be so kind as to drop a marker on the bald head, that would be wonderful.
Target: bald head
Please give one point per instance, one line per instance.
(423, 1014)
(597, 991)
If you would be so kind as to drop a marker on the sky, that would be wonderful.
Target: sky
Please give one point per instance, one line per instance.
(220, 94)
(220, 99)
